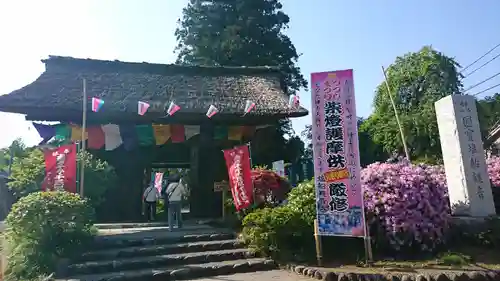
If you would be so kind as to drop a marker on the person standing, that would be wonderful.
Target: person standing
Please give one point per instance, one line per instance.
(175, 190)
(150, 196)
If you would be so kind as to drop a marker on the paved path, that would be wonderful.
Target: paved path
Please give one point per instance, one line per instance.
(278, 275)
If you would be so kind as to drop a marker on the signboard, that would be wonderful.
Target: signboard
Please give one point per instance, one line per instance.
(221, 186)
(339, 198)
(279, 167)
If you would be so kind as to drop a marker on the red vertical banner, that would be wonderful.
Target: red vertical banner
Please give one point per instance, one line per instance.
(240, 176)
(60, 169)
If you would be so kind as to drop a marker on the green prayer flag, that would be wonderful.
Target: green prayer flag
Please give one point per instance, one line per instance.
(220, 132)
(145, 135)
(63, 132)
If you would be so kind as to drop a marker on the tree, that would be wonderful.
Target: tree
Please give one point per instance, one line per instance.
(17, 149)
(238, 33)
(417, 80)
(488, 111)
(242, 33)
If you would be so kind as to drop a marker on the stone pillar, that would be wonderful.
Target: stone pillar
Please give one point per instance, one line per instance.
(468, 182)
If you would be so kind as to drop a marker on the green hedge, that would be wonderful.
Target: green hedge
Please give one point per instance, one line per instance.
(284, 232)
(44, 227)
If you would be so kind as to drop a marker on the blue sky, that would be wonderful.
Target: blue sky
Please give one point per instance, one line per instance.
(331, 34)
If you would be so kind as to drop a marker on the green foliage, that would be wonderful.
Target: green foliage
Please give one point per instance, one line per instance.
(284, 232)
(416, 80)
(17, 149)
(98, 177)
(278, 232)
(485, 235)
(28, 174)
(302, 199)
(43, 227)
(488, 111)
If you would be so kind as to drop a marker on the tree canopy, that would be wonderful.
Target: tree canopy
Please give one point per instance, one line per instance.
(417, 80)
(238, 33)
(243, 33)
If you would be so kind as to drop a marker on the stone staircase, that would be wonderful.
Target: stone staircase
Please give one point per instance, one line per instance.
(151, 252)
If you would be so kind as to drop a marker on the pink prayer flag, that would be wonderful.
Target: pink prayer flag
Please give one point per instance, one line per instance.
(249, 106)
(294, 101)
(212, 110)
(97, 104)
(142, 107)
(173, 108)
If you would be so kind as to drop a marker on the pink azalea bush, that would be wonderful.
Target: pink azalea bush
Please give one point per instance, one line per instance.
(408, 204)
(493, 166)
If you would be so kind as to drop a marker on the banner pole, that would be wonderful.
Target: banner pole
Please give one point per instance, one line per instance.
(84, 130)
(366, 237)
(319, 246)
(251, 165)
(78, 163)
(401, 131)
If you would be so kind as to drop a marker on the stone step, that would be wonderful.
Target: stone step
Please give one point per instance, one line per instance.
(93, 267)
(185, 272)
(130, 225)
(113, 242)
(155, 250)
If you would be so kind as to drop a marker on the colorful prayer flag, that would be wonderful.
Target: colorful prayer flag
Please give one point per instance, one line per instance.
(177, 132)
(46, 132)
(294, 101)
(129, 136)
(76, 133)
(97, 103)
(249, 106)
(173, 108)
(220, 132)
(191, 131)
(161, 133)
(235, 133)
(112, 136)
(212, 110)
(96, 138)
(145, 134)
(63, 132)
(142, 107)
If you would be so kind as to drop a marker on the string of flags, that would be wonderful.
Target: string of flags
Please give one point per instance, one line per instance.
(142, 107)
(112, 136)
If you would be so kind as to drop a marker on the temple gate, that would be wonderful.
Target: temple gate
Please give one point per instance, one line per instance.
(56, 95)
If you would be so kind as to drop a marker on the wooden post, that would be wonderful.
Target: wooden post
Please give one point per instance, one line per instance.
(319, 246)
(84, 131)
(223, 204)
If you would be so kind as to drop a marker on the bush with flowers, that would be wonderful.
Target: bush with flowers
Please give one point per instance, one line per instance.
(493, 166)
(407, 205)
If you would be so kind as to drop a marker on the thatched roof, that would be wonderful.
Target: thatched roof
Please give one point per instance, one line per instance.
(57, 94)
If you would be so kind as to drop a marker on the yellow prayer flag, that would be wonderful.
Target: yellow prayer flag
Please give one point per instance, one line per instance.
(162, 133)
(76, 133)
(235, 133)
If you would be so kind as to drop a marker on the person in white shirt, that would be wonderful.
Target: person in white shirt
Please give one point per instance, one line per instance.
(150, 196)
(175, 191)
